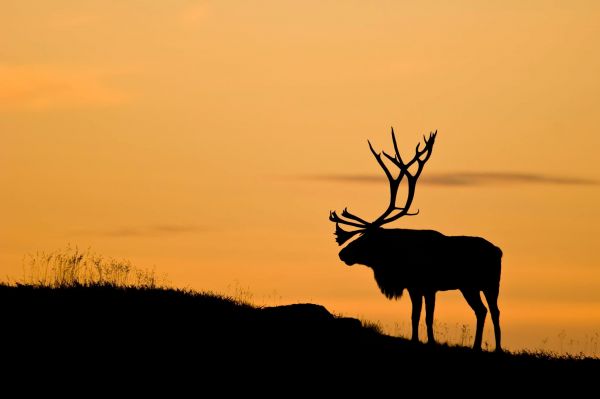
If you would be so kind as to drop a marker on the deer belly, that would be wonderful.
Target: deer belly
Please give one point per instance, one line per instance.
(445, 277)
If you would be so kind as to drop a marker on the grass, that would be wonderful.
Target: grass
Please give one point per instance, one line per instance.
(73, 267)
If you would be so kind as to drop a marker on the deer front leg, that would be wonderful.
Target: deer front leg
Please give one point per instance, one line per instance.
(429, 309)
(417, 302)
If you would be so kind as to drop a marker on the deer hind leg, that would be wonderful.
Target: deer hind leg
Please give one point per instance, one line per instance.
(429, 309)
(474, 300)
(491, 296)
(417, 302)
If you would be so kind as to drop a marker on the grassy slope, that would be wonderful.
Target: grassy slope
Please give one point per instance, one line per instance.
(145, 332)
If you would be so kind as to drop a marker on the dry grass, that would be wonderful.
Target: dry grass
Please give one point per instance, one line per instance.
(74, 267)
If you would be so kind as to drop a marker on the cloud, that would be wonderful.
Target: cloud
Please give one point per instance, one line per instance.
(494, 178)
(175, 228)
(42, 87)
(467, 179)
(148, 231)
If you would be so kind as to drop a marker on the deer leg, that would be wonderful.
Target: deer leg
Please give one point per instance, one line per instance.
(491, 296)
(417, 302)
(474, 300)
(429, 308)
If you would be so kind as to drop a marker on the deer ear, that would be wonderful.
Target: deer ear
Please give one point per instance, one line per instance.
(341, 235)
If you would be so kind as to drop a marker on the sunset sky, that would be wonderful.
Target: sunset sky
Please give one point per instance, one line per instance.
(210, 140)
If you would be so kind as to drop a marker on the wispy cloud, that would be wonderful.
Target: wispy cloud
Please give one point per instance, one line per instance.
(466, 179)
(41, 87)
(147, 231)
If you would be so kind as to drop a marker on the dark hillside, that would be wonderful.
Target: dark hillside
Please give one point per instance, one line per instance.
(113, 333)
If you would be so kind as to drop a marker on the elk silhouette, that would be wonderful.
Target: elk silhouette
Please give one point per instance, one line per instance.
(421, 261)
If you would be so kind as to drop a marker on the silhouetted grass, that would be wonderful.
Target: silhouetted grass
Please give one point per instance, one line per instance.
(72, 267)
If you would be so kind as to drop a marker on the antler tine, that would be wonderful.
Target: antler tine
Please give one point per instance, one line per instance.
(333, 216)
(430, 138)
(426, 149)
(391, 158)
(380, 162)
(343, 235)
(393, 182)
(397, 159)
(429, 147)
(349, 215)
(396, 147)
(408, 213)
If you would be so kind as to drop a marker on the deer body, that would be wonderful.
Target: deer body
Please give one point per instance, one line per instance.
(426, 261)
(421, 261)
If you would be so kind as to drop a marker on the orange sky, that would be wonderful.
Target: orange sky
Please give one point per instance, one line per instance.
(209, 138)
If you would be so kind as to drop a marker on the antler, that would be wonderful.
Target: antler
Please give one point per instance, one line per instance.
(420, 158)
(342, 235)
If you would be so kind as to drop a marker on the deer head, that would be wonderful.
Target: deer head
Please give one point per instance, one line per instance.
(393, 212)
